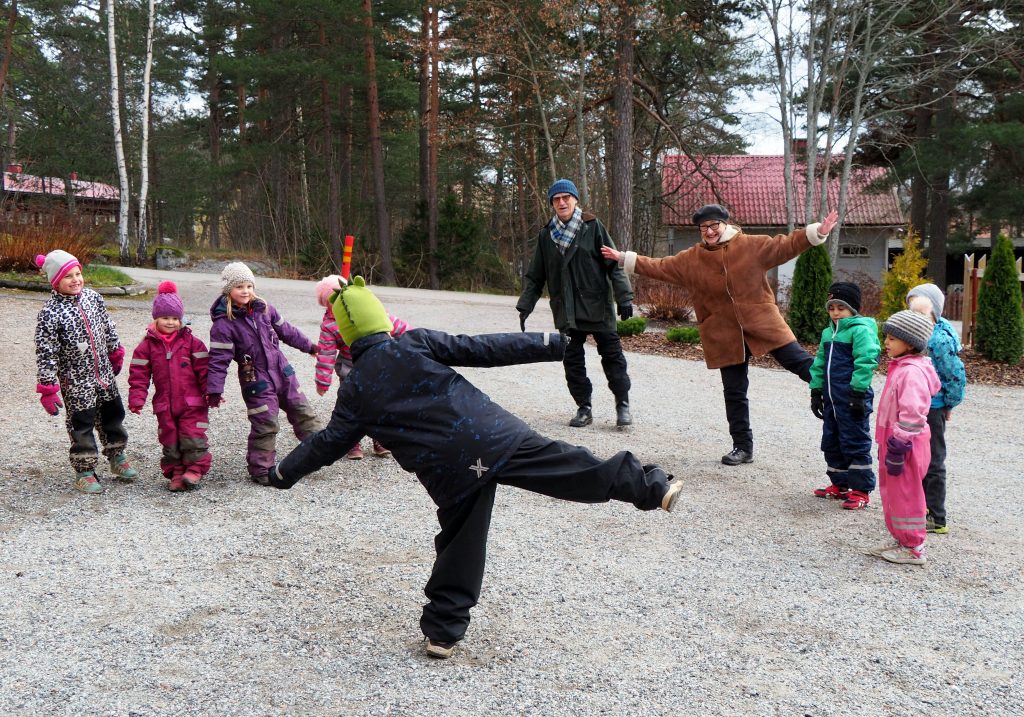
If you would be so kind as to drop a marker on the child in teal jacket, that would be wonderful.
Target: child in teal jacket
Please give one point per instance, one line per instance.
(841, 396)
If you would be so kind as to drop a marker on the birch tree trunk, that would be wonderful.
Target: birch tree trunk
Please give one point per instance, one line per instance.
(376, 149)
(115, 112)
(140, 254)
(621, 200)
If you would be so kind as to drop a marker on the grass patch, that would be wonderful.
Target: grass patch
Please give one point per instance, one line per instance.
(95, 275)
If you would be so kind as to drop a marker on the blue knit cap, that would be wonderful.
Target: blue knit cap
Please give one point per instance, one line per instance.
(563, 186)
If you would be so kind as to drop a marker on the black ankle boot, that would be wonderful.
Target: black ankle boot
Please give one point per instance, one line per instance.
(622, 414)
(582, 418)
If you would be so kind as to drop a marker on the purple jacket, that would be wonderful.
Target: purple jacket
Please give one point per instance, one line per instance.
(178, 372)
(255, 333)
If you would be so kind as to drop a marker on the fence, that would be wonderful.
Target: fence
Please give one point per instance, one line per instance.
(969, 295)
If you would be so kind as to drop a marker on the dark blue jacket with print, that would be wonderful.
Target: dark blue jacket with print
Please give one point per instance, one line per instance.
(404, 393)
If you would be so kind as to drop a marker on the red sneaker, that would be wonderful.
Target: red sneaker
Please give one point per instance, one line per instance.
(856, 500)
(832, 491)
(177, 484)
(191, 477)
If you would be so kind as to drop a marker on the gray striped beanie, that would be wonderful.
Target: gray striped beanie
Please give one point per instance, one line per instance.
(909, 326)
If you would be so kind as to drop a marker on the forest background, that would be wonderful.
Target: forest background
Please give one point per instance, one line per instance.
(432, 130)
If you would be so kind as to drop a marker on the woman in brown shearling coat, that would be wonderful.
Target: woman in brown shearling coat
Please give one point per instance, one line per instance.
(726, 275)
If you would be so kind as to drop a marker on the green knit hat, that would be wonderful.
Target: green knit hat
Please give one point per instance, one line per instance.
(358, 312)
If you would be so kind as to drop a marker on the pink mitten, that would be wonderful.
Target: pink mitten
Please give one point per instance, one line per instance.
(117, 359)
(49, 396)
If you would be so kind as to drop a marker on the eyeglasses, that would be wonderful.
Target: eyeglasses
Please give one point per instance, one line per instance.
(561, 198)
(709, 225)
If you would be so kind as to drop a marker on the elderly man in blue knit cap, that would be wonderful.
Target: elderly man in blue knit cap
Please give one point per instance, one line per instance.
(586, 292)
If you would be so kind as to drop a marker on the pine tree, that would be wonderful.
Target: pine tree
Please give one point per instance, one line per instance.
(905, 275)
(999, 331)
(811, 279)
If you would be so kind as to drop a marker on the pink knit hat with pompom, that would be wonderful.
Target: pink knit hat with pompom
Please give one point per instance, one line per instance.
(167, 301)
(56, 264)
(327, 286)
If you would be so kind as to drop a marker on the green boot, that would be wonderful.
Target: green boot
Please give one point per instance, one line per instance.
(85, 481)
(121, 469)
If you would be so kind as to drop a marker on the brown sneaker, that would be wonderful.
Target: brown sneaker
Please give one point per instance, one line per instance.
(440, 650)
(355, 453)
(379, 450)
(668, 502)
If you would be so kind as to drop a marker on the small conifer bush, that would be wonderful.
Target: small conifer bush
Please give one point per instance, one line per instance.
(634, 325)
(999, 331)
(683, 334)
(809, 293)
(904, 275)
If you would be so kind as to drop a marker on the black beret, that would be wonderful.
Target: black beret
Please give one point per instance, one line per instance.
(711, 212)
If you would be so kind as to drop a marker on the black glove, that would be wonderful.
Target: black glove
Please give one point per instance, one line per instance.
(522, 320)
(856, 403)
(896, 452)
(625, 311)
(818, 404)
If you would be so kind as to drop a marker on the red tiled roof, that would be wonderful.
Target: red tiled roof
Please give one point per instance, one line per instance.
(54, 186)
(751, 187)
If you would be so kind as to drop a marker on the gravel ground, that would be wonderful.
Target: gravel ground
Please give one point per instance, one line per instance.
(753, 599)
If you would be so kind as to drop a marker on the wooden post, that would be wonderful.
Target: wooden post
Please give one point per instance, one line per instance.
(967, 312)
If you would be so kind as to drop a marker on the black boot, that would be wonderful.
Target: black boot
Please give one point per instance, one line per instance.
(583, 417)
(622, 415)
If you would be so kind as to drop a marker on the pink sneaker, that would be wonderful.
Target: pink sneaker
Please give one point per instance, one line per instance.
(191, 477)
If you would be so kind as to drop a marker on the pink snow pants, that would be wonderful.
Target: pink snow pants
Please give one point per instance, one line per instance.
(903, 495)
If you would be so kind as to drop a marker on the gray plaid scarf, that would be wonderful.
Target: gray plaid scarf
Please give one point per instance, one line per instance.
(564, 234)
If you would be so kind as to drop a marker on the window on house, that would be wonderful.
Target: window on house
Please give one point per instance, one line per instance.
(858, 251)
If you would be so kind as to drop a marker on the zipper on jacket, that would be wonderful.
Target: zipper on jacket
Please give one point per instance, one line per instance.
(92, 343)
(828, 366)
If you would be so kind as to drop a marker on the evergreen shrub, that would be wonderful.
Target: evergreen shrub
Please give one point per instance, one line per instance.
(683, 334)
(809, 293)
(999, 328)
(632, 326)
(904, 275)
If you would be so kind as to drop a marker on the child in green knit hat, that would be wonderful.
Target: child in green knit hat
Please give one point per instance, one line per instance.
(460, 444)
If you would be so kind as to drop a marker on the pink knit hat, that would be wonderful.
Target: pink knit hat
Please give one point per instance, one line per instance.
(327, 286)
(167, 301)
(56, 264)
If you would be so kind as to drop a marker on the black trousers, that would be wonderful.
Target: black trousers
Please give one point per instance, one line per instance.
(735, 383)
(934, 481)
(551, 468)
(613, 361)
(106, 419)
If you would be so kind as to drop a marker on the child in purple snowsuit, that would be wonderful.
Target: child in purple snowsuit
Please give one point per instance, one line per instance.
(176, 362)
(902, 434)
(249, 330)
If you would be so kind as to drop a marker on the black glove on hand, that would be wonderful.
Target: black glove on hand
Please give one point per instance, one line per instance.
(522, 320)
(818, 404)
(896, 452)
(625, 311)
(856, 403)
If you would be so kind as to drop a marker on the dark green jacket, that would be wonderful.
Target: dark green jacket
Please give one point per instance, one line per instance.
(584, 287)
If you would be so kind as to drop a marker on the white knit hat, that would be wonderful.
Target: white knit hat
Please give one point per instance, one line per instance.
(56, 264)
(933, 294)
(235, 274)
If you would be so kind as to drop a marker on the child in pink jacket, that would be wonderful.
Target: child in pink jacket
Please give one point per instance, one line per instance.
(334, 356)
(902, 434)
(176, 362)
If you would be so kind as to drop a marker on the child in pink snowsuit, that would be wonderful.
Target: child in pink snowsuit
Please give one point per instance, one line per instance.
(902, 434)
(176, 362)
(335, 356)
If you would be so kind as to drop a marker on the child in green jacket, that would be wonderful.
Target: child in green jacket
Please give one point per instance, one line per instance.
(841, 396)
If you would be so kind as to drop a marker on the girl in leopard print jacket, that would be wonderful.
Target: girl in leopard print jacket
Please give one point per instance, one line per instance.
(78, 355)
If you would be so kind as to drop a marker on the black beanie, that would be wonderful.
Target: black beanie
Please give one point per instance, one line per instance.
(711, 212)
(846, 293)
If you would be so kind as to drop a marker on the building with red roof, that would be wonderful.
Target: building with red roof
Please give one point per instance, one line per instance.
(31, 199)
(752, 188)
